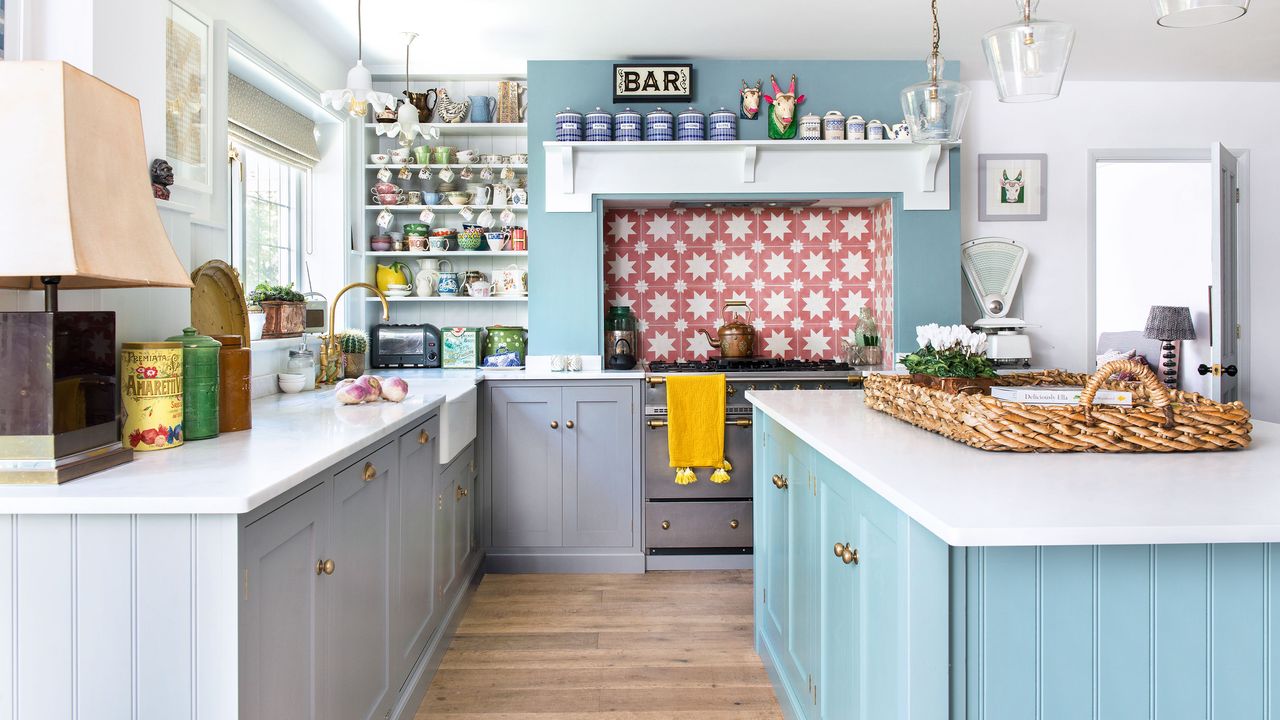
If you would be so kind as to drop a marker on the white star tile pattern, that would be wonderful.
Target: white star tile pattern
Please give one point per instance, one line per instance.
(805, 273)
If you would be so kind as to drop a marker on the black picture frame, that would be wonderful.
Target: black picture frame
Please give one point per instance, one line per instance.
(622, 95)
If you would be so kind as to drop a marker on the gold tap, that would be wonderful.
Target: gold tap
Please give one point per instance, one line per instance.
(329, 343)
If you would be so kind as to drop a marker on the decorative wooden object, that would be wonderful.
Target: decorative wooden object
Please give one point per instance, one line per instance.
(217, 301)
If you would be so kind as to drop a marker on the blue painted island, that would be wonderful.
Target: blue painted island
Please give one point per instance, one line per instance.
(900, 575)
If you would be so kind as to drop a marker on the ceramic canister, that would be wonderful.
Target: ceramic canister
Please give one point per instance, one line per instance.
(199, 384)
(833, 125)
(691, 125)
(599, 126)
(151, 395)
(500, 339)
(855, 128)
(235, 392)
(658, 126)
(875, 130)
(723, 125)
(568, 126)
(628, 126)
(810, 127)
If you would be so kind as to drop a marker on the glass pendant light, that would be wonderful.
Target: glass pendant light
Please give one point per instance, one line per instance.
(935, 108)
(1028, 58)
(359, 94)
(1198, 13)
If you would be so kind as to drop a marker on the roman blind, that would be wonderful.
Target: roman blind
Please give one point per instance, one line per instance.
(269, 125)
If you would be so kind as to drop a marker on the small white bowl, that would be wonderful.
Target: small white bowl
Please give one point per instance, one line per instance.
(291, 382)
(379, 158)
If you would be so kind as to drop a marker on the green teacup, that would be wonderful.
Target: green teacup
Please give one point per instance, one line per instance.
(442, 155)
(422, 154)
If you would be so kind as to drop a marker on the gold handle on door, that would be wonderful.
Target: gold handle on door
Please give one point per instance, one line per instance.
(555, 425)
(779, 482)
(423, 438)
(324, 566)
(460, 493)
(568, 424)
(737, 422)
(847, 554)
(370, 472)
(733, 524)
(666, 524)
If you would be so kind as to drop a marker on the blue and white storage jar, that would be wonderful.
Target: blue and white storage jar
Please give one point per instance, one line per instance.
(658, 126)
(599, 126)
(691, 125)
(628, 126)
(568, 126)
(723, 125)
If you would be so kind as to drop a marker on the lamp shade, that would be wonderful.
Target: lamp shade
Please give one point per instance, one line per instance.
(75, 193)
(1198, 13)
(1169, 322)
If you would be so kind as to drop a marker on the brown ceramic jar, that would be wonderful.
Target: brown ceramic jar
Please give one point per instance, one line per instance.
(235, 380)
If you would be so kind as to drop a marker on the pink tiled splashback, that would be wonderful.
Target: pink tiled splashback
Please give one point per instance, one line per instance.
(806, 273)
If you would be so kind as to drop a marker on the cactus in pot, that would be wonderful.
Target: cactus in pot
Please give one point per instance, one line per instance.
(354, 345)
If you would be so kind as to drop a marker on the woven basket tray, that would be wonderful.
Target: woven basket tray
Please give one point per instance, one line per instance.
(1160, 420)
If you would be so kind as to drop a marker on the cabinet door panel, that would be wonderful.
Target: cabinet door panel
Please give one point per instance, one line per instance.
(414, 579)
(364, 514)
(879, 641)
(282, 611)
(804, 555)
(839, 684)
(526, 464)
(599, 466)
(773, 538)
(463, 489)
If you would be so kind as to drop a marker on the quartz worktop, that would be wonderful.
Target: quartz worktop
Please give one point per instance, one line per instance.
(971, 497)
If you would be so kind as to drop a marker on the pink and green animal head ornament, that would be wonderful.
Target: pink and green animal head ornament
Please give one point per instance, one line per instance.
(782, 109)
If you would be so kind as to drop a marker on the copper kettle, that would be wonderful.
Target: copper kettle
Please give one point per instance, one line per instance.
(425, 102)
(737, 337)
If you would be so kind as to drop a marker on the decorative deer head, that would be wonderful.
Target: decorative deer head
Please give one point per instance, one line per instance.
(1012, 187)
(751, 99)
(782, 111)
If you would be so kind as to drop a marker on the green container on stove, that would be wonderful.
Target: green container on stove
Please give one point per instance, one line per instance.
(199, 384)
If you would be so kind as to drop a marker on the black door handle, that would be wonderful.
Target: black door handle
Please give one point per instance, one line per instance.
(1203, 369)
(1230, 370)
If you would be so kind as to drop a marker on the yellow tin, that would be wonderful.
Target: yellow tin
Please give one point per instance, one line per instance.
(151, 394)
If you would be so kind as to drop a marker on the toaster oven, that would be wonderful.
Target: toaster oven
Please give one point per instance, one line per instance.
(416, 345)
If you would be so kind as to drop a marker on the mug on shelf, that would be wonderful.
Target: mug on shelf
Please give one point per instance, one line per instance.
(492, 159)
(467, 156)
(442, 154)
(413, 197)
(422, 154)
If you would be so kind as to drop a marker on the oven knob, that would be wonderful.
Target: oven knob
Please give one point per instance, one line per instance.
(730, 390)
(798, 387)
(776, 386)
(666, 524)
(822, 386)
(752, 387)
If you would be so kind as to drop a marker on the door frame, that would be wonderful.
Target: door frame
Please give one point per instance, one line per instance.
(1243, 285)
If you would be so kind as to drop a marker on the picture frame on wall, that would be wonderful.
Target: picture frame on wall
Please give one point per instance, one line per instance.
(1013, 187)
(188, 136)
(653, 82)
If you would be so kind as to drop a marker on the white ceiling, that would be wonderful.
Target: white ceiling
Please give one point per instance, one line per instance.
(1115, 39)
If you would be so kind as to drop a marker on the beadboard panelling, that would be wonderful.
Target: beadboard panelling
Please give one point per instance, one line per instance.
(8, 630)
(1122, 632)
(104, 572)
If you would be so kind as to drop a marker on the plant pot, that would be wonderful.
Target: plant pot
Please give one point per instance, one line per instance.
(284, 319)
(352, 365)
(954, 385)
(257, 321)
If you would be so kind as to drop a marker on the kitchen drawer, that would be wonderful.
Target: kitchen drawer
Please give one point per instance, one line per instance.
(698, 524)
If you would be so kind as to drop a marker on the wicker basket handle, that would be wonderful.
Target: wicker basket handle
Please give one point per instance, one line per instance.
(1160, 396)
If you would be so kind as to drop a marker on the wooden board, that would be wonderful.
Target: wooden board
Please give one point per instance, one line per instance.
(217, 301)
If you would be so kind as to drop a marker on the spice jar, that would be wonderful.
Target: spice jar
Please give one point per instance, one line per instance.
(199, 384)
(235, 384)
(151, 395)
(303, 362)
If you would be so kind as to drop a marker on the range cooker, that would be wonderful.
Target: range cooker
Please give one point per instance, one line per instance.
(707, 518)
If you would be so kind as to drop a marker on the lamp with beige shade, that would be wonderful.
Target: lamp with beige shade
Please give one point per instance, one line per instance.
(76, 212)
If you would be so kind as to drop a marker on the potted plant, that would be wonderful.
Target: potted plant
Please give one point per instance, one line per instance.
(354, 345)
(285, 309)
(950, 358)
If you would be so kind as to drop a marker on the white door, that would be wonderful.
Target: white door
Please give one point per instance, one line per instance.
(1224, 328)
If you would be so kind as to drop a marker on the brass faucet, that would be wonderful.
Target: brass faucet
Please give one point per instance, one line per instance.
(329, 343)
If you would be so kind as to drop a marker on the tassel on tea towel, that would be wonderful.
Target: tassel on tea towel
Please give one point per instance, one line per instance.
(695, 426)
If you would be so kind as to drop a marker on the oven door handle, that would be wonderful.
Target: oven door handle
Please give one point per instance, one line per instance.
(739, 422)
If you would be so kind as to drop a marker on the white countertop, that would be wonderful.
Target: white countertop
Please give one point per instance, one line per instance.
(971, 497)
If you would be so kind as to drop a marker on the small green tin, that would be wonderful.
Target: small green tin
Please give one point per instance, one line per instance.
(199, 384)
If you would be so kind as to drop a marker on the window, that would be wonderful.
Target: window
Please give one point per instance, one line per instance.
(267, 199)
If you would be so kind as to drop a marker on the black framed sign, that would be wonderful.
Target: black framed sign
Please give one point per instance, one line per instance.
(661, 82)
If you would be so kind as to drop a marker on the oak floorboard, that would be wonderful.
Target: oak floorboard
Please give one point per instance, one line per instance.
(658, 646)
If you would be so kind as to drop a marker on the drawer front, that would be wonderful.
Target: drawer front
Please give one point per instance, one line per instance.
(659, 476)
(698, 524)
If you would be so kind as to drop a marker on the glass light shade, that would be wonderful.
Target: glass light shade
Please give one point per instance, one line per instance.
(358, 95)
(1198, 13)
(1028, 60)
(935, 110)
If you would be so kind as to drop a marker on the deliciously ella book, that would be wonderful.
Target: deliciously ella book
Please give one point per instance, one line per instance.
(1058, 395)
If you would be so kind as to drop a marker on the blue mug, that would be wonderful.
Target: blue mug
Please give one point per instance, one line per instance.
(447, 283)
(482, 108)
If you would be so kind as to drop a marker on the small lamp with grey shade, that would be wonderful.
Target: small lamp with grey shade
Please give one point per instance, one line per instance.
(76, 212)
(1170, 324)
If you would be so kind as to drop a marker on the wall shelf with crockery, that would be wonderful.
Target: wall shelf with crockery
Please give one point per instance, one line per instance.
(453, 166)
(470, 128)
(447, 253)
(456, 299)
(446, 208)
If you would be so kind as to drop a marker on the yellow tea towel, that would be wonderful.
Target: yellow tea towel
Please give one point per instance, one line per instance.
(695, 426)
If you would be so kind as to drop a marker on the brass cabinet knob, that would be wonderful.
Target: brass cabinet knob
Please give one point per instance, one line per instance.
(568, 424)
(423, 438)
(847, 554)
(666, 524)
(460, 493)
(325, 567)
(779, 482)
(839, 549)
(554, 425)
(752, 386)
(733, 524)
(370, 472)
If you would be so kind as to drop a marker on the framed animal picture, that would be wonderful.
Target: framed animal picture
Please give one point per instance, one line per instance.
(1013, 187)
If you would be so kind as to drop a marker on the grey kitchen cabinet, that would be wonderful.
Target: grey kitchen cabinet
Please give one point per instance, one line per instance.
(454, 522)
(526, 461)
(415, 612)
(463, 470)
(283, 636)
(598, 460)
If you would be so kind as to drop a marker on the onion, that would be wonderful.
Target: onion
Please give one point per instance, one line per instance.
(373, 384)
(352, 394)
(394, 389)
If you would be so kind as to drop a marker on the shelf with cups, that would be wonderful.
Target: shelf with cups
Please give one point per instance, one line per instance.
(447, 253)
(446, 208)
(455, 299)
(473, 128)
(452, 166)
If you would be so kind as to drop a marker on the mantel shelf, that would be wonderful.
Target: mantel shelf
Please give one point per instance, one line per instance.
(579, 171)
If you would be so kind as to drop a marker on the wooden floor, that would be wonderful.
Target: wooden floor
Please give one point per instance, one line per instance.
(669, 645)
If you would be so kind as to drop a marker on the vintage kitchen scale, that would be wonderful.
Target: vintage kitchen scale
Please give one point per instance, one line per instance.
(993, 268)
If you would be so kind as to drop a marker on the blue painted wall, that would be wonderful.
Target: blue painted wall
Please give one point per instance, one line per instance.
(566, 249)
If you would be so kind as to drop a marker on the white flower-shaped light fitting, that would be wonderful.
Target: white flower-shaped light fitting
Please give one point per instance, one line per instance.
(357, 97)
(1198, 13)
(1028, 58)
(935, 109)
(406, 127)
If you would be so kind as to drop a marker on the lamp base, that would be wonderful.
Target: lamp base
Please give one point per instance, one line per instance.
(1170, 354)
(60, 470)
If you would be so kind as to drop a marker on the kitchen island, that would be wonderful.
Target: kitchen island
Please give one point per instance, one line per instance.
(900, 574)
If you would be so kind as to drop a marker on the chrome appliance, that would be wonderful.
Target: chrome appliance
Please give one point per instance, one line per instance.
(405, 346)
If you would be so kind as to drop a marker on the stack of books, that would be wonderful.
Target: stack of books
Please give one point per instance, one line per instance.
(1058, 395)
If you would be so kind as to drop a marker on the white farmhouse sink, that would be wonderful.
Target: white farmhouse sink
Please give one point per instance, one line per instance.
(457, 414)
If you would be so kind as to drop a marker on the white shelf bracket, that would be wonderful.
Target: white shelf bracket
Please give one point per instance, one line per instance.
(930, 158)
(566, 170)
(749, 163)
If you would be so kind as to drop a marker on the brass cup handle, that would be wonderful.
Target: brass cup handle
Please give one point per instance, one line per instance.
(847, 554)
(779, 482)
(555, 425)
(423, 438)
(733, 524)
(370, 472)
(666, 524)
(568, 424)
(325, 567)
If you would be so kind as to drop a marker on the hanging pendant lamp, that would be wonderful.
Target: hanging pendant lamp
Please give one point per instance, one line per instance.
(407, 126)
(1028, 58)
(935, 109)
(359, 94)
(1198, 13)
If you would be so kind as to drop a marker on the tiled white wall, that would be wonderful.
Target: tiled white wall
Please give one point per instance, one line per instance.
(270, 358)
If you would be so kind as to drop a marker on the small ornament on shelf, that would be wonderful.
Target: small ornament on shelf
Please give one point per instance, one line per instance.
(424, 174)
(162, 178)
(782, 110)
(405, 173)
(384, 219)
(751, 99)
(384, 175)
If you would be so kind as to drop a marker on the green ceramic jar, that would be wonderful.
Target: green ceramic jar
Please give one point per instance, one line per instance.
(199, 384)
(505, 339)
